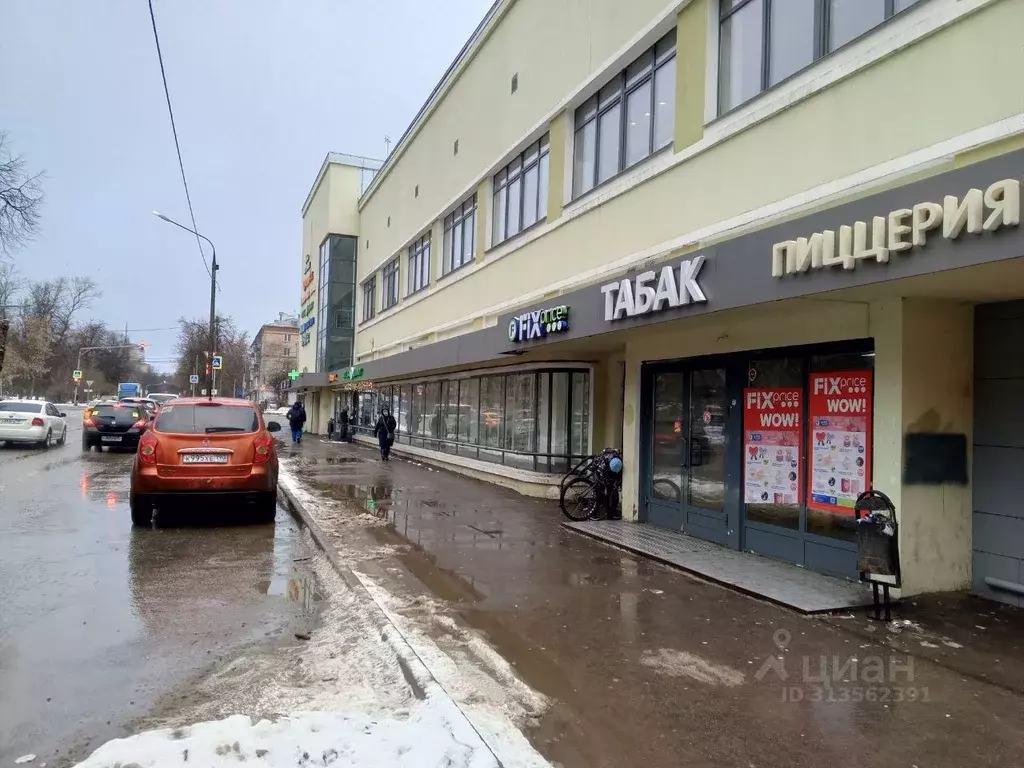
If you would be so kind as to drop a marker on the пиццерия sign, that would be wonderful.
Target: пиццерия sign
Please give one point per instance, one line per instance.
(903, 229)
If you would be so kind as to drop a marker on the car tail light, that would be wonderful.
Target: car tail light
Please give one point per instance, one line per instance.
(89, 422)
(37, 422)
(140, 424)
(263, 445)
(147, 448)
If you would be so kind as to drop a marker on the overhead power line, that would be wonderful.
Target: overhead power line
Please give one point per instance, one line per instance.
(174, 130)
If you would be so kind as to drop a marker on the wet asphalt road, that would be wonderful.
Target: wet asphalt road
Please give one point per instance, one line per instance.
(99, 620)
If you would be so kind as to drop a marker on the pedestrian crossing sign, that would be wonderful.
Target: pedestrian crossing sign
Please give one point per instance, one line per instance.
(193, 379)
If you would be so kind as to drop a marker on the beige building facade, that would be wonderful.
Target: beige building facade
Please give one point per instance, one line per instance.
(769, 250)
(273, 352)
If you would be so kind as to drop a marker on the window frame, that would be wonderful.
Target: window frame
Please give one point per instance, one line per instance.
(822, 50)
(418, 253)
(514, 172)
(369, 287)
(593, 109)
(390, 273)
(464, 213)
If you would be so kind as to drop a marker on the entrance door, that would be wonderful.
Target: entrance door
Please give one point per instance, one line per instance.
(685, 483)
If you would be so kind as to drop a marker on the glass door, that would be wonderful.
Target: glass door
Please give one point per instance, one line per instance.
(686, 480)
(666, 478)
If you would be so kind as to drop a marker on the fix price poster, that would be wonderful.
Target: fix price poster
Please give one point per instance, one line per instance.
(772, 432)
(840, 439)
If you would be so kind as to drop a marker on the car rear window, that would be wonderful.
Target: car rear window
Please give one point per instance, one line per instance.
(123, 410)
(22, 407)
(207, 419)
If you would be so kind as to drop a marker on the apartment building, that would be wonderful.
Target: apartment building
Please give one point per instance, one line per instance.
(273, 353)
(768, 248)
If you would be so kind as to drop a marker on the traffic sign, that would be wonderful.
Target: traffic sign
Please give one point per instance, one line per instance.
(202, 391)
(193, 379)
(88, 383)
(76, 375)
(213, 392)
(218, 363)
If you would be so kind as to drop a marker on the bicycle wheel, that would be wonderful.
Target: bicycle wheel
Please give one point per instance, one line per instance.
(579, 499)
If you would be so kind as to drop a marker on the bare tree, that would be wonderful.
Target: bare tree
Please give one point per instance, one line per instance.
(21, 199)
(10, 287)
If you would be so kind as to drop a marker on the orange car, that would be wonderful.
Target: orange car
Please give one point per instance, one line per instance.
(217, 449)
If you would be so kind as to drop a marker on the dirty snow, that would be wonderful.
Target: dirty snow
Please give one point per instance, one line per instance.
(423, 740)
(25, 759)
(675, 663)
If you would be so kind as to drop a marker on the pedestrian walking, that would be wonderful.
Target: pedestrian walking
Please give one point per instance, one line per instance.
(344, 424)
(296, 420)
(385, 432)
(330, 429)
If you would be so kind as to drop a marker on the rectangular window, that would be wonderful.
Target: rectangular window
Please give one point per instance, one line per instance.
(516, 419)
(419, 264)
(763, 42)
(459, 236)
(389, 284)
(627, 120)
(520, 200)
(369, 299)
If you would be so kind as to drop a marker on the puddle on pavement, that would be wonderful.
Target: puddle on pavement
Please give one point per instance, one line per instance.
(343, 460)
(298, 587)
(442, 582)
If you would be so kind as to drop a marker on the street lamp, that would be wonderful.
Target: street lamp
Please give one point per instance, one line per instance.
(213, 296)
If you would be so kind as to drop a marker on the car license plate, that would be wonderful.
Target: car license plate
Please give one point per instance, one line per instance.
(204, 458)
(111, 438)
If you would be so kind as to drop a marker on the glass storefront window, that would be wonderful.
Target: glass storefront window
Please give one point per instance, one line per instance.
(836, 525)
(580, 444)
(432, 412)
(559, 421)
(534, 420)
(769, 373)
(492, 415)
(402, 414)
(469, 416)
(543, 421)
(521, 419)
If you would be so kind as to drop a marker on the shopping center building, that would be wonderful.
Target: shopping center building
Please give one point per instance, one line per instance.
(769, 248)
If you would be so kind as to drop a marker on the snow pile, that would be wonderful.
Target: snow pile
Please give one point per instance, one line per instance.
(424, 740)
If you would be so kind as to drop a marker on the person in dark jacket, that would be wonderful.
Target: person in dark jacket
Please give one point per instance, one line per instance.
(343, 424)
(296, 420)
(385, 432)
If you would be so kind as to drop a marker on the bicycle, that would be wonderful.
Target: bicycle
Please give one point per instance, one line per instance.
(592, 485)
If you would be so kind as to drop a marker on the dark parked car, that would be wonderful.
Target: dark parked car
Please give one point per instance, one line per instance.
(117, 425)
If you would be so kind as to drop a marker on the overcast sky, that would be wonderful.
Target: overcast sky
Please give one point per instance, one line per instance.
(261, 89)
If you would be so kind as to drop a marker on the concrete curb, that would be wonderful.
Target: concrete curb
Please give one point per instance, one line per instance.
(408, 659)
(300, 513)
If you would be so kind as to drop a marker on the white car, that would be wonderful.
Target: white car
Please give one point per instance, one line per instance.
(32, 421)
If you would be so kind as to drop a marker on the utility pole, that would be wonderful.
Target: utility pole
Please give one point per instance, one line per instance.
(213, 296)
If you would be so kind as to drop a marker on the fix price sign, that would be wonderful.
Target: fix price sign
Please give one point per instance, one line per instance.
(772, 443)
(840, 439)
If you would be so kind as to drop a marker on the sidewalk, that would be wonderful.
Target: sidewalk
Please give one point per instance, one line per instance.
(645, 665)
